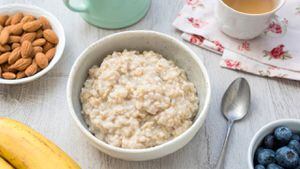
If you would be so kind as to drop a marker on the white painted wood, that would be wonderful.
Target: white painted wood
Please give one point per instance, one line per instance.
(43, 106)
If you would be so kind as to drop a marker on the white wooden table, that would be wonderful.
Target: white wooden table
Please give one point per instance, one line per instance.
(43, 106)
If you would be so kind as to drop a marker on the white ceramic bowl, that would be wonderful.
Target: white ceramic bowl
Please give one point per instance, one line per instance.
(56, 26)
(169, 47)
(293, 124)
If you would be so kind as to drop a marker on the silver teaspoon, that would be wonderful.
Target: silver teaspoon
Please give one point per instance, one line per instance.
(235, 105)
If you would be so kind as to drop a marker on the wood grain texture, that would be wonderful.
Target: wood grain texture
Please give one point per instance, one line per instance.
(42, 103)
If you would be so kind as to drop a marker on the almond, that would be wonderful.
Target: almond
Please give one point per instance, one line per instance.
(0, 72)
(32, 26)
(32, 69)
(37, 49)
(8, 75)
(45, 23)
(21, 64)
(16, 29)
(15, 45)
(28, 36)
(4, 48)
(26, 49)
(4, 57)
(14, 56)
(4, 36)
(50, 36)
(39, 42)
(27, 18)
(3, 19)
(50, 53)
(1, 28)
(39, 33)
(21, 74)
(47, 46)
(41, 60)
(14, 39)
(8, 21)
(16, 18)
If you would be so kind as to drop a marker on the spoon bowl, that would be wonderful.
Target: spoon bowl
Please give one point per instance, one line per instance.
(236, 100)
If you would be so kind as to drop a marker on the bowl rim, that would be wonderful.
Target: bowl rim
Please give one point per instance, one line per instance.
(58, 53)
(258, 134)
(101, 143)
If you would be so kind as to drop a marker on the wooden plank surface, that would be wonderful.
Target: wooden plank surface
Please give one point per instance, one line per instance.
(42, 103)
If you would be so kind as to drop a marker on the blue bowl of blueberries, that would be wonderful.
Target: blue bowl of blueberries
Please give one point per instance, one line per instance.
(276, 146)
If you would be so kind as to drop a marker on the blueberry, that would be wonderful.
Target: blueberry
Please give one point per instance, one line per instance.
(256, 153)
(259, 166)
(283, 134)
(295, 145)
(287, 157)
(269, 141)
(296, 137)
(274, 166)
(265, 156)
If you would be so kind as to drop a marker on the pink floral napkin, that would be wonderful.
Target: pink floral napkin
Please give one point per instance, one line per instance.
(273, 56)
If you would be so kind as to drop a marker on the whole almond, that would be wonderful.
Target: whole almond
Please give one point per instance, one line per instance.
(27, 18)
(8, 75)
(39, 34)
(4, 36)
(0, 72)
(32, 26)
(15, 45)
(5, 67)
(3, 19)
(45, 23)
(26, 49)
(37, 49)
(4, 57)
(47, 46)
(14, 56)
(4, 48)
(21, 74)
(16, 18)
(14, 39)
(28, 36)
(21, 64)
(41, 60)
(8, 21)
(32, 69)
(16, 29)
(50, 36)
(39, 42)
(50, 53)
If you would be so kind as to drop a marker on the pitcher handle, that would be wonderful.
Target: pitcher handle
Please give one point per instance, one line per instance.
(80, 8)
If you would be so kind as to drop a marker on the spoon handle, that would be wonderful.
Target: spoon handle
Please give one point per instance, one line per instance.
(220, 163)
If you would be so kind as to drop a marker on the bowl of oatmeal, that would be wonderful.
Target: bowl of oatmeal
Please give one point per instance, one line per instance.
(138, 95)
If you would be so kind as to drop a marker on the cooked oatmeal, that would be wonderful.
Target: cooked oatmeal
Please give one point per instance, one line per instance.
(138, 100)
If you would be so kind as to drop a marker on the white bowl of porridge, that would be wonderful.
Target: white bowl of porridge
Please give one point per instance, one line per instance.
(138, 95)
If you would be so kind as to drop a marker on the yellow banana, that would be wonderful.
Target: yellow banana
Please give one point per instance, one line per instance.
(4, 164)
(24, 148)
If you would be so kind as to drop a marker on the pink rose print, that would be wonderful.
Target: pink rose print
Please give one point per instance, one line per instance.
(277, 53)
(275, 28)
(197, 40)
(245, 46)
(194, 3)
(219, 46)
(196, 23)
(232, 64)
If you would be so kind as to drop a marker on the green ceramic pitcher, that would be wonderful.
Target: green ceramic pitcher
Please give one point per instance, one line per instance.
(111, 14)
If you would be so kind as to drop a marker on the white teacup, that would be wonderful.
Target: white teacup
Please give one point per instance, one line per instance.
(244, 25)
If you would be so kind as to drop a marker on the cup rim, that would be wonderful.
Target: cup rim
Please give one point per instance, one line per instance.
(257, 135)
(202, 113)
(282, 2)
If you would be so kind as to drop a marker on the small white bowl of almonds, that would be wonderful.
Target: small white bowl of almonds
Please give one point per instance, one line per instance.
(31, 42)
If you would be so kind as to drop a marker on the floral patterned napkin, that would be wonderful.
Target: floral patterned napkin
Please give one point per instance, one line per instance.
(273, 56)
